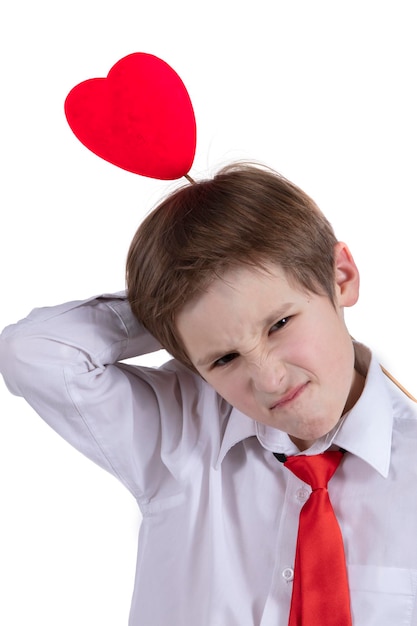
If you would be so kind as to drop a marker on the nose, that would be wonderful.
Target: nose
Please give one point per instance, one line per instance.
(268, 374)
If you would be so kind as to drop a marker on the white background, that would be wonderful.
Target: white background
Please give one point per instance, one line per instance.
(323, 91)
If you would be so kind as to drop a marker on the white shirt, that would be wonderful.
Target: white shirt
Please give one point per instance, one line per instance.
(220, 513)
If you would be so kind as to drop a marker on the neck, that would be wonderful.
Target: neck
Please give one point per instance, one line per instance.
(356, 388)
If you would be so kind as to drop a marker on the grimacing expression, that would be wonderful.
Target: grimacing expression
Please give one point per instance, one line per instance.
(279, 354)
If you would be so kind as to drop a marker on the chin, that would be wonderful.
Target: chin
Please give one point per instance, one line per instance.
(312, 434)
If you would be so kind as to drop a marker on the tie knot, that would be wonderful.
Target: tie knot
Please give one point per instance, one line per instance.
(315, 470)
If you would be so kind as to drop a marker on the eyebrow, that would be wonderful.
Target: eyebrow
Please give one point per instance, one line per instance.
(266, 323)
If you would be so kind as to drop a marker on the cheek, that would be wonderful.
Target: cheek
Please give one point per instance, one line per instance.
(229, 385)
(302, 350)
(324, 334)
(320, 354)
(333, 356)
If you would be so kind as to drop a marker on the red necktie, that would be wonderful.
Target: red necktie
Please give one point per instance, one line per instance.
(320, 595)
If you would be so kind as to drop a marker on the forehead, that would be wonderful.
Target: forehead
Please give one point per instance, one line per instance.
(244, 280)
(229, 282)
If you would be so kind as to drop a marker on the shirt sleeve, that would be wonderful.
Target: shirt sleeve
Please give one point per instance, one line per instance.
(135, 422)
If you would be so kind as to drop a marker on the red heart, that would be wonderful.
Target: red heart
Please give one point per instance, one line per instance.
(139, 118)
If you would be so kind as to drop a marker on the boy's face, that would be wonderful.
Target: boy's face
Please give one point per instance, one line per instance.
(280, 355)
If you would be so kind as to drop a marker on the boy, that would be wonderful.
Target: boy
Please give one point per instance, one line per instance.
(242, 280)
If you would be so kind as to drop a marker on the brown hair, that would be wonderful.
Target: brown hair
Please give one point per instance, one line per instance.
(245, 215)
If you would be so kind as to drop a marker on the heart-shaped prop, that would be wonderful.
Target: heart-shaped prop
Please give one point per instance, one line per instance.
(139, 118)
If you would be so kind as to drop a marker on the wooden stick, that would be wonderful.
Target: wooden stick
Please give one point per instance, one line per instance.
(391, 377)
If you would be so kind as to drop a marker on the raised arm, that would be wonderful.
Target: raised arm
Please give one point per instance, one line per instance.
(66, 362)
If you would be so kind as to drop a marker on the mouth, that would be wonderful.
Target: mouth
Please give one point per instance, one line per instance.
(289, 396)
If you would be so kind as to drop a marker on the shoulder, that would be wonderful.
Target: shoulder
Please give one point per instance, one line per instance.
(404, 407)
(174, 384)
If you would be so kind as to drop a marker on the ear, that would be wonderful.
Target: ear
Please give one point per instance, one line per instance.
(346, 276)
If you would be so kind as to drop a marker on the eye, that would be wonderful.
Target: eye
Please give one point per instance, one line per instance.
(283, 322)
(224, 360)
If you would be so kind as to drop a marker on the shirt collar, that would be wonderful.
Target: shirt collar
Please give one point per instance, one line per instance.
(364, 431)
(367, 427)
(238, 427)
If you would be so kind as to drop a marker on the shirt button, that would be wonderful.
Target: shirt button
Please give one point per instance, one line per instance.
(302, 494)
(288, 574)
